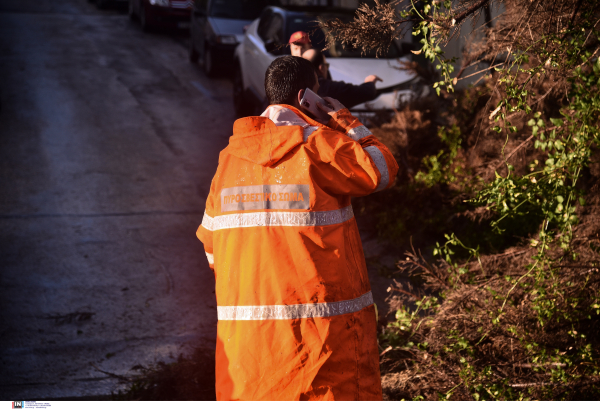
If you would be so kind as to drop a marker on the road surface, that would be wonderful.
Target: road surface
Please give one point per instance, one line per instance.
(109, 138)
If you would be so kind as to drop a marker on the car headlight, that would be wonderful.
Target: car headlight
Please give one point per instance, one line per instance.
(226, 40)
(160, 3)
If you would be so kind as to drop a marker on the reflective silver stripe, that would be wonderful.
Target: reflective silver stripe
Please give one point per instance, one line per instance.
(207, 222)
(381, 164)
(292, 312)
(210, 257)
(256, 197)
(307, 131)
(359, 132)
(326, 218)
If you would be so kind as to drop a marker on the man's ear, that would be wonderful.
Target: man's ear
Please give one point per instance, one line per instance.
(300, 95)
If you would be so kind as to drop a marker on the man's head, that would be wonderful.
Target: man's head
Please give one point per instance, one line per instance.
(287, 78)
(299, 42)
(317, 58)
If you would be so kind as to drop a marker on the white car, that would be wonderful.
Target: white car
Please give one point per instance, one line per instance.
(266, 38)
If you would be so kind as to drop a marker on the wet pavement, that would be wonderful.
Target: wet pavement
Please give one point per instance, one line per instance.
(109, 138)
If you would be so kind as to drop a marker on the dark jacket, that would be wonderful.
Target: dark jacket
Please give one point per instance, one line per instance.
(348, 94)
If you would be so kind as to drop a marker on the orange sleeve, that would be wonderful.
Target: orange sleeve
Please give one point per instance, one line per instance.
(360, 164)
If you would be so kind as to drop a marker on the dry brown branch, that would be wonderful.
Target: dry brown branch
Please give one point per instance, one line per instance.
(530, 366)
(473, 8)
(532, 384)
(398, 290)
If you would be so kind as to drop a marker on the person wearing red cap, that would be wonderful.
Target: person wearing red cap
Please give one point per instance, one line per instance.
(349, 95)
(299, 42)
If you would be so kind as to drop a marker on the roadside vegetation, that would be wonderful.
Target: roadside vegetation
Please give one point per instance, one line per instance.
(189, 378)
(498, 297)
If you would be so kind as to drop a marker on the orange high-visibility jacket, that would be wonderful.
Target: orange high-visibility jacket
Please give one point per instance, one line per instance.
(295, 309)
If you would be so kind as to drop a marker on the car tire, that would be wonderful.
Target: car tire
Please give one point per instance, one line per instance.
(131, 11)
(208, 62)
(192, 52)
(240, 103)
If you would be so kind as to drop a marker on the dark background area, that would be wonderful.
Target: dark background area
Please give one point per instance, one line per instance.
(109, 139)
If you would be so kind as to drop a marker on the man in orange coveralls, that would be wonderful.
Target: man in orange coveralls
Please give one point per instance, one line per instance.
(295, 309)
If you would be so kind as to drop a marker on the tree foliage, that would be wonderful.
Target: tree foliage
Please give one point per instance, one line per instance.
(519, 325)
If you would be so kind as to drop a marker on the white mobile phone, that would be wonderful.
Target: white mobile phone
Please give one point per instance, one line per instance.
(309, 101)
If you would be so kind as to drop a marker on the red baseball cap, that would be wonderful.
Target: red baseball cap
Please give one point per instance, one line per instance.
(300, 37)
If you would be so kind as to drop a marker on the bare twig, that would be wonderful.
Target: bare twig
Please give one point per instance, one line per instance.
(556, 365)
(525, 142)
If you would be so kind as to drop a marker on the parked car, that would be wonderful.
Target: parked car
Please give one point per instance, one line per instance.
(217, 27)
(173, 14)
(267, 37)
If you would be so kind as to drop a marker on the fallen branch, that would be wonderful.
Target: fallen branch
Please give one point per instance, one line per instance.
(557, 365)
(512, 253)
(532, 384)
(525, 142)
(537, 384)
(398, 290)
(459, 17)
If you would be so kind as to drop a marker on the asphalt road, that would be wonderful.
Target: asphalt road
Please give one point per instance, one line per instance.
(109, 139)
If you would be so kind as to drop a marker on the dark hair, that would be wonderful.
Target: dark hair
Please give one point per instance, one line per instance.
(317, 59)
(286, 76)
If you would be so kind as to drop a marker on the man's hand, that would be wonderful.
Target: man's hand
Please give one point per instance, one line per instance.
(373, 78)
(335, 106)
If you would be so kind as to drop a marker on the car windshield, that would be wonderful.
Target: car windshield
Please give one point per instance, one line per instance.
(309, 24)
(239, 9)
